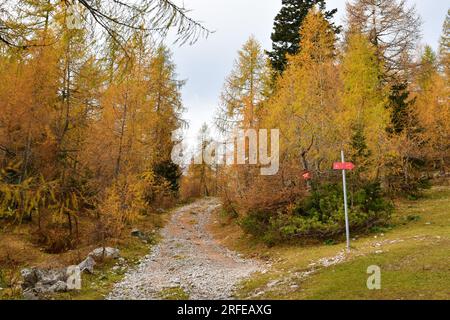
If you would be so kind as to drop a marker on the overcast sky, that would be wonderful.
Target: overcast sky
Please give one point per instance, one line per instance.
(206, 64)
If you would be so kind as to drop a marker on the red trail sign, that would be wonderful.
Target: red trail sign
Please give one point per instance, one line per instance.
(307, 176)
(343, 166)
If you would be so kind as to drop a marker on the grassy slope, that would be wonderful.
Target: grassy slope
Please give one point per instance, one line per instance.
(17, 252)
(414, 258)
(96, 286)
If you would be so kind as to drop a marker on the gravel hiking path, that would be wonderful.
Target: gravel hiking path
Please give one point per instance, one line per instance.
(188, 258)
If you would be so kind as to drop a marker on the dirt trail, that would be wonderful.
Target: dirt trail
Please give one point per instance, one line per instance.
(187, 258)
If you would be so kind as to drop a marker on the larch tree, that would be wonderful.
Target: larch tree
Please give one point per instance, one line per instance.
(122, 103)
(392, 27)
(81, 82)
(444, 47)
(428, 67)
(164, 94)
(165, 101)
(241, 100)
(408, 129)
(115, 19)
(363, 100)
(86, 124)
(29, 94)
(200, 176)
(243, 89)
(305, 98)
(433, 111)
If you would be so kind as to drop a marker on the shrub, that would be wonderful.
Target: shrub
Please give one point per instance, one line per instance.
(54, 238)
(128, 198)
(170, 172)
(320, 216)
(405, 177)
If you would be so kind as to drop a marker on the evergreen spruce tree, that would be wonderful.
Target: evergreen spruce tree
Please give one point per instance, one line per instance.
(286, 35)
(400, 108)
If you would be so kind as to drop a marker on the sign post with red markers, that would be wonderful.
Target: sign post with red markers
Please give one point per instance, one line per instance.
(344, 166)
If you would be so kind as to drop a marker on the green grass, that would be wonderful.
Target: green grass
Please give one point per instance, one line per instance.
(96, 286)
(416, 267)
(412, 272)
(177, 293)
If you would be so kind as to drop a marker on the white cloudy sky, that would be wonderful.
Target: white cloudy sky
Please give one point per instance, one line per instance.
(206, 63)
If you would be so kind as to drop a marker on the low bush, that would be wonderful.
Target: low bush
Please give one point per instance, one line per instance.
(320, 216)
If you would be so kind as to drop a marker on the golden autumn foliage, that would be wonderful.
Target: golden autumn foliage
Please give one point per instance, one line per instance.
(86, 125)
(363, 100)
(433, 110)
(304, 101)
(334, 97)
(85, 134)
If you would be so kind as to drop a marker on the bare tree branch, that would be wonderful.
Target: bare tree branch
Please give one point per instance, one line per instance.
(115, 17)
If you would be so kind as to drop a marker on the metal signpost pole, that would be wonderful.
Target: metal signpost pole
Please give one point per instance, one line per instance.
(347, 226)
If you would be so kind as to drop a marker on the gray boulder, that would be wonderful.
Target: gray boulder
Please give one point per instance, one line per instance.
(41, 281)
(34, 276)
(105, 253)
(29, 278)
(59, 286)
(52, 276)
(29, 295)
(42, 288)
